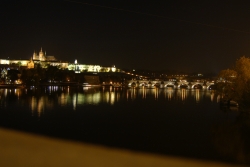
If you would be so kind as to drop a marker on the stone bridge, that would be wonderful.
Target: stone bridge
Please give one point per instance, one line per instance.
(173, 84)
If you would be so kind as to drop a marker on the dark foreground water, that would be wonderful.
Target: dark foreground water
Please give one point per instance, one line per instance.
(186, 123)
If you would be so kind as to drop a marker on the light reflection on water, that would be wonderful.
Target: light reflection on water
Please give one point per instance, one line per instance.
(44, 98)
(167, 93)
(212, 122)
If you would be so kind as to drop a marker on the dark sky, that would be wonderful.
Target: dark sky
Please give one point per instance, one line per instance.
(193, 36)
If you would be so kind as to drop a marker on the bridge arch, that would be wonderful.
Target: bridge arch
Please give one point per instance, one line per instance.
(169, 85)
(165, 84)
(183, 85)
(132, 84)
(197, 86)
(142, 84)
(157, 84)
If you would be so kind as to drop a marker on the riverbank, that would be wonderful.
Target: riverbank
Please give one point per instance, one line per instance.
(45, 84)
(12, 86)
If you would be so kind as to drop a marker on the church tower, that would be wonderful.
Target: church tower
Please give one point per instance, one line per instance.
(41, 55)
(35, 57)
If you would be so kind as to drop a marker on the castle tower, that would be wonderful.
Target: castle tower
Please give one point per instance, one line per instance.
(35, 57)
(41, 55)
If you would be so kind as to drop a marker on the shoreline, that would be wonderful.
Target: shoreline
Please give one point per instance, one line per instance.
(53, 84)
(12, 86)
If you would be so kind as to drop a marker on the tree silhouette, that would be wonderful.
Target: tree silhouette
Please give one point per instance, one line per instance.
(235, 82)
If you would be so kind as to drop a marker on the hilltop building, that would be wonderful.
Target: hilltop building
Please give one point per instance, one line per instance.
(78, 68)
(40, 58)
(44, 60)
(16, 63)
(43, 57)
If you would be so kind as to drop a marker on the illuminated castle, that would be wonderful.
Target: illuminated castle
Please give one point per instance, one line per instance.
(44, 61)
(42, 57)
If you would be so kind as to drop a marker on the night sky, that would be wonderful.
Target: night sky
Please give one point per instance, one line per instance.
(191, 36)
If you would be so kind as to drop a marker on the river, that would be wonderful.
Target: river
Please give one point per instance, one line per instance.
(178, 122)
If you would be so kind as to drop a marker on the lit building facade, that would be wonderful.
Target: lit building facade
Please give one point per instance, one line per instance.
(20, 63)
(78, 68)
(44, 61)
(40, 58)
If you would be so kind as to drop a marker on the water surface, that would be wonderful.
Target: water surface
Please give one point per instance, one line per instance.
(181, 122)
